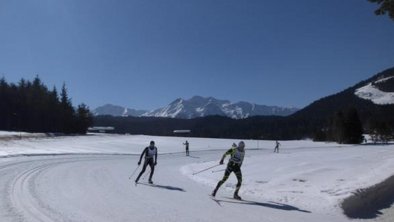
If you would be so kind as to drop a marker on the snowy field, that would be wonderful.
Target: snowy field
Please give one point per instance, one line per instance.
(86, 178)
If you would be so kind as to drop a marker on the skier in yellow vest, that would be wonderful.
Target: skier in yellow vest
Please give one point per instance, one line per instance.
(237, 154)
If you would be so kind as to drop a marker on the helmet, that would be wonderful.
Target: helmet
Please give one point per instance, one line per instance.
(152, 142)
(241, 144)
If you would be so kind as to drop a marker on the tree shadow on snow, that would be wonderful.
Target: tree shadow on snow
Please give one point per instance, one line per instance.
(273, 205)
(164, 187)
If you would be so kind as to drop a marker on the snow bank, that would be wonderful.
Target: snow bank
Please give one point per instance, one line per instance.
(367, 203)
(316, 178)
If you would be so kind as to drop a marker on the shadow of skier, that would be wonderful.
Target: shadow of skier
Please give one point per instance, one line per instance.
(270, 204)
(164, 187)
(195, 157)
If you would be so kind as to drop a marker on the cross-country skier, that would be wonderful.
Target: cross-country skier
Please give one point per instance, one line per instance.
(150, 153)
(186, 147)
(277, 144)
(234, 165)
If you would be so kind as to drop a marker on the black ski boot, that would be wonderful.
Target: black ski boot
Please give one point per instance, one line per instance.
(237, 197)
(150, 181)
(214, 192)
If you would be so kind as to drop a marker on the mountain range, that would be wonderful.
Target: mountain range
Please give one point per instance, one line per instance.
(372, 98)
(198, 106)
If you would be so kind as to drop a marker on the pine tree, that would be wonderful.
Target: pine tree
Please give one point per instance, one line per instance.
(54, 110)
(84, 118)
(30, 106)
(67, 111)
(380, 131)
(385, 6)
(346, 127)
(4, 104)
(338, 129)
(353, 127)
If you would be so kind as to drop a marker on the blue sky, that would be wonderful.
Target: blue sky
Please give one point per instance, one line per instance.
(144, 54)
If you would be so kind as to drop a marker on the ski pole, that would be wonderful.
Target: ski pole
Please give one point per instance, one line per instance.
(205, 169)
(134, 172)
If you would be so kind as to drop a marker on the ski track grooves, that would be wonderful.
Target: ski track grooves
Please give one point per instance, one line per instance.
(24, 198)
(97, 188)
(24, 202)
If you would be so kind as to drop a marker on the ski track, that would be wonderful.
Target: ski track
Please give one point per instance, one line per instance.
(23, 202)
(97, 188)
(24, 198)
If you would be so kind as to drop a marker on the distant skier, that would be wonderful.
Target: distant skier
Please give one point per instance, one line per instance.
(150, 153)
(277, 144)
(234, 165)
(186, 147)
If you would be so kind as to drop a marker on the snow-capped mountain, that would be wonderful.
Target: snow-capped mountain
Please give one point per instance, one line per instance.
(380, 92)
(199, 106)
(113, 110)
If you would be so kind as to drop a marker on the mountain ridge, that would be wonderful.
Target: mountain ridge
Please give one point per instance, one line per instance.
(315, 118)
(198, 106)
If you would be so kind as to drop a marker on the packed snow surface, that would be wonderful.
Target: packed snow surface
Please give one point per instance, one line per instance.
(89, 181)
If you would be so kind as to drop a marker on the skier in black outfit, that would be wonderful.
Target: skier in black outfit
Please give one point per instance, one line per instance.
(186, 147)
(277, 144)
(234, 165)
(150, 158)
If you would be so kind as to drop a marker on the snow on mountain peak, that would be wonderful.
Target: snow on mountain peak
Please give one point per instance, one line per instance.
(198, 106)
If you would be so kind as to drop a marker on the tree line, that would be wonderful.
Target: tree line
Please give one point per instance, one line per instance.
(344, 126)
(30, 106)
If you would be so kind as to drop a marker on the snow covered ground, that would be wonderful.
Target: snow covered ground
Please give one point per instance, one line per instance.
(377, 96)
(89, 181)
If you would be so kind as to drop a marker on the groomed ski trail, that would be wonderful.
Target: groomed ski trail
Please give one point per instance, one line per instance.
(98, 188)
